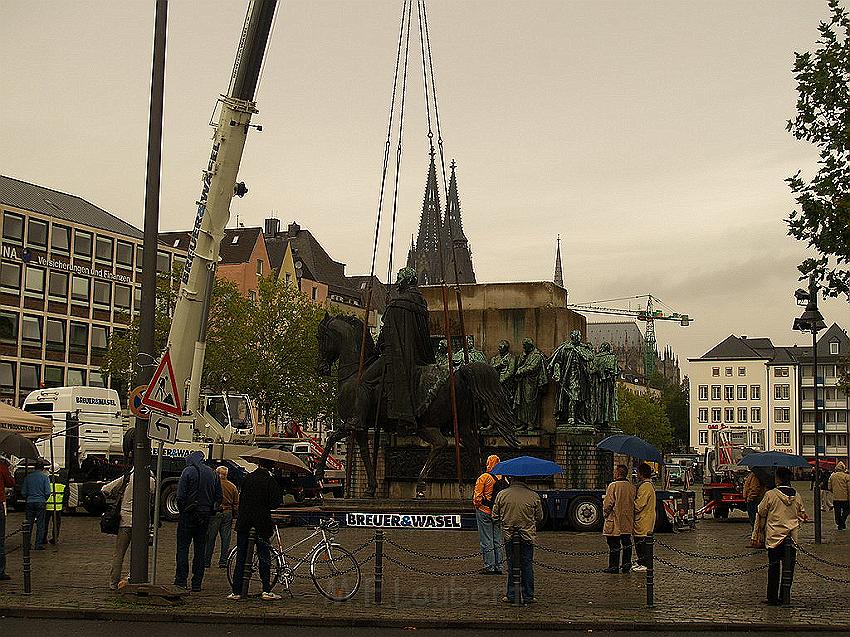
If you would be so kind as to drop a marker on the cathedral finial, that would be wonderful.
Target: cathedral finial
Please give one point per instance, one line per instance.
(559, 272)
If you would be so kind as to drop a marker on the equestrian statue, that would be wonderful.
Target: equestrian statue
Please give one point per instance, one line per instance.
(401, 389)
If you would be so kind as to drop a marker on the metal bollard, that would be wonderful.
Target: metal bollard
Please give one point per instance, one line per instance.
(379, 566)
(25, 550)
(650, 571)
(516, 570)
(787, 572)
(249, 563)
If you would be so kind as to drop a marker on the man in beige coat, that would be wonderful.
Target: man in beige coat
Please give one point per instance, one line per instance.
(618, 508)
(779, 516)
(839, 486)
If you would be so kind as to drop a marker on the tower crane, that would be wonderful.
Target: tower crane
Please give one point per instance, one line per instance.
(652, 313)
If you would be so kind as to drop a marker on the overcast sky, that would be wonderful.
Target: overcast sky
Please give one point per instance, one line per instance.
(650, 135)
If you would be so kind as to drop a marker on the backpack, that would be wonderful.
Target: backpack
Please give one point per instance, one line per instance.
(500, 484)
(110, 521)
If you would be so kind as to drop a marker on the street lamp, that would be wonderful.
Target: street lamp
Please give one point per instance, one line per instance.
(812, 321)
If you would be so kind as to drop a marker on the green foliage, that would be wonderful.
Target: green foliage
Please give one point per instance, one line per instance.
(644, 416)
(823, 119)
(265, 347)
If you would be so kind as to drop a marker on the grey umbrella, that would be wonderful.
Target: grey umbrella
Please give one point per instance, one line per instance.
(13, 444)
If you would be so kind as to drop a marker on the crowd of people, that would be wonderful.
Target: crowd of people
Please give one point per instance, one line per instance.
(509, 511)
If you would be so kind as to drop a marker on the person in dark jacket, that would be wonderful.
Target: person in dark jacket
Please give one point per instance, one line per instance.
(259, 496)
(198, 496)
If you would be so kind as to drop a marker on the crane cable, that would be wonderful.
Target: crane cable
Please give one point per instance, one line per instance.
(427, 65)
(405, 20)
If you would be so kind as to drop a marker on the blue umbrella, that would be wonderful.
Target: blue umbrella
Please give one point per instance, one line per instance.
(772, 459)
(631, 446)
(526, 466)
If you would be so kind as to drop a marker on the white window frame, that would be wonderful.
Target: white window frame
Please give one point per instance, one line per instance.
(716, 414)
(742, 414)
(833, 347)
(755, 392)
(755, 414)
(742, 392)
(703, 392)
(715, 371)
(782, 392)
(703, 437)
(716, 392)
(729, 392)
(702, 414)
(742, 371)
(729, 414)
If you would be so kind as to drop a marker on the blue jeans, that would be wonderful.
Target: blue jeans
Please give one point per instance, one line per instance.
(220, 526)
(35, 513)
(490, 538)
(526, 567)
(263, 555)
(191, 529)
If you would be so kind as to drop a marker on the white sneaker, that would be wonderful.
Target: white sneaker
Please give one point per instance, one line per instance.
(270, 596)
(234, 596)
(640, 568)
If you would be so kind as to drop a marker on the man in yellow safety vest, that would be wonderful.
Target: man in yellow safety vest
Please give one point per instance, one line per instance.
(53, 508)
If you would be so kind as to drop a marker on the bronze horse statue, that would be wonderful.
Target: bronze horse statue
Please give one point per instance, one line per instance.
(361, 405)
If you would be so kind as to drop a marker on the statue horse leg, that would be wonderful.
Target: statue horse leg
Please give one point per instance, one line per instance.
(334, 438)
(437, 441)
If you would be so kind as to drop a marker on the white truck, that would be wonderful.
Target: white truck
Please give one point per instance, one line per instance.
(86, 443)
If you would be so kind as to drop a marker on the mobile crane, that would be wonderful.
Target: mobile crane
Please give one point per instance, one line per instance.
(216, 421)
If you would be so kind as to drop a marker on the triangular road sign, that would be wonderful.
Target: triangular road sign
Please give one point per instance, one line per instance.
(162, 394)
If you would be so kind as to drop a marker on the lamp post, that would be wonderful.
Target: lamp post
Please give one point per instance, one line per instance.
(812, 321)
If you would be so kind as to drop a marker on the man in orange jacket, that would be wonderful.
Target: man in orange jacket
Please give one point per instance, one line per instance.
(489, 532)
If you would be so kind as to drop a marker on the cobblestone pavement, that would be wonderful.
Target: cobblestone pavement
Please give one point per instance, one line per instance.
(417, 588)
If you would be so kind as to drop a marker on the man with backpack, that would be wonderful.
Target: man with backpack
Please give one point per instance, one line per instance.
(198, 496)
(489, 532)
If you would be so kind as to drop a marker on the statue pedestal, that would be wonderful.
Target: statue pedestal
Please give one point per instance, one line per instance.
(585, 466)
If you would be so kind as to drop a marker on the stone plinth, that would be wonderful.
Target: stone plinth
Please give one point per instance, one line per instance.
(586, 467)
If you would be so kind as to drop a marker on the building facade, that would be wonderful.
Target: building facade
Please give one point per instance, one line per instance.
(763, 395)
(70, 277)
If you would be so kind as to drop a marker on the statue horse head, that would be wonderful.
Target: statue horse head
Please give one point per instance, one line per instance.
(339, 339)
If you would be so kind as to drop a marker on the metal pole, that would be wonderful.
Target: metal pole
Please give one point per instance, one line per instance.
(817, 434)
(53, 478)
(142, 451)
(452, 389)
(156, 511)
(379, 566)
(650, 571)
(516, 568)
(25, 550)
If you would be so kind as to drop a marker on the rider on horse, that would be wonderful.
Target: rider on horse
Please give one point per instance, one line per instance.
(404, 346)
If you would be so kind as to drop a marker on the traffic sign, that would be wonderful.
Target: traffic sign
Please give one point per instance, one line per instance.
(163, 428)
(134, 401)
(162, 394)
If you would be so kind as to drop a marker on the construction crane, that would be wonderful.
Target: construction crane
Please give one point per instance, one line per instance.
(651, 314)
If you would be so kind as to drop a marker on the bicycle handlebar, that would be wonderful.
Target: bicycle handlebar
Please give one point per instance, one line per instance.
(329, 524)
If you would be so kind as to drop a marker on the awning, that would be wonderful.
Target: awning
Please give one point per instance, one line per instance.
(24, 423)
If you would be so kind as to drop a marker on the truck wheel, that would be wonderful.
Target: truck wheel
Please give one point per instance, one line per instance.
(721, 513)
(585, 514)
(168, 502)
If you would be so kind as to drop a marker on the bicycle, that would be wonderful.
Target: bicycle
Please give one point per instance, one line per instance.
(334, 570)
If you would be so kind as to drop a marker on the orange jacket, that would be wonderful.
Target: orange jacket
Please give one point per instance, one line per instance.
(482, 497)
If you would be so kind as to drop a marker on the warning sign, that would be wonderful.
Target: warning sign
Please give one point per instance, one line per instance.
(162, 394)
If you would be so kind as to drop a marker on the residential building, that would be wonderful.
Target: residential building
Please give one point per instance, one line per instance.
(763, 394)
(70, 277)
(243, 258)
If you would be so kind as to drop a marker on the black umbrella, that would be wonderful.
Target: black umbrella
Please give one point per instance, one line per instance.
(13, 444)
(631, 446)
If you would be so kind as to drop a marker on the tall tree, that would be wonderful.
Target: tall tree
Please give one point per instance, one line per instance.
(644, 416)
(822, 218)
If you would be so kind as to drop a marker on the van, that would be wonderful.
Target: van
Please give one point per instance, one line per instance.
(96, 409)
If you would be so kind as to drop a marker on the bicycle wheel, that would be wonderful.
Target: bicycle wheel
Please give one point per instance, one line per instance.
(335, 572)
(255, 585)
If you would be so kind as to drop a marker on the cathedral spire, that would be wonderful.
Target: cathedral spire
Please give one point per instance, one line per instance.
(456, 245)
(425, 255)
(559, 272)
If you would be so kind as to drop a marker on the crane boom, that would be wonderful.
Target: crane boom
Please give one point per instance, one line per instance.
(187, 336)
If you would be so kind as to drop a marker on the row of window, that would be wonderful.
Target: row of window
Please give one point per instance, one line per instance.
(83, 290)
(66, 241)
(728, 414)
(781, 438)
(778, 372)
(780, 392)
(831, 440)
(32, 376)
(57, 335)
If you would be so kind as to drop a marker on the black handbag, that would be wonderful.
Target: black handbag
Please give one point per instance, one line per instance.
(110, 520)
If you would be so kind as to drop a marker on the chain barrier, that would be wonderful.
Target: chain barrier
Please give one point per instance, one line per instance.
(599, 553)
(693, 571)
(817, 558)
(351, 569)
(421, 571)
(429, 556)
(13, 533)
(567, 571)
(704, 556)
(828, 578)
